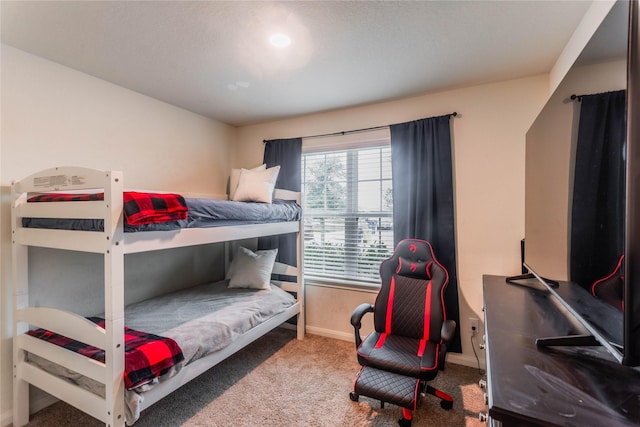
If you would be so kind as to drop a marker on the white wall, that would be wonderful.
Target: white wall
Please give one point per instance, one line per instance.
(488, 143)
(52, 116)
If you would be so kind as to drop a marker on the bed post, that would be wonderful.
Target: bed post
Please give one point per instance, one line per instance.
(114, 301)
(20, 279)
(301, 324)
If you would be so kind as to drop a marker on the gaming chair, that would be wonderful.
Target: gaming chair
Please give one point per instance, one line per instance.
(409, 343)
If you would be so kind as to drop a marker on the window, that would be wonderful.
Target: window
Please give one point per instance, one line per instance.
(347, 203)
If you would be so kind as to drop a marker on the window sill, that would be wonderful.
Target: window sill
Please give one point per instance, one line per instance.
(342, 284)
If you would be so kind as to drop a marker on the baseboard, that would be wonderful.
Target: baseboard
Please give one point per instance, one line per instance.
(343, 336)
(464, 360)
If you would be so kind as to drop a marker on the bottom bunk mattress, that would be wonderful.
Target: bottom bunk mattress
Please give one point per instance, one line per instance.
(202, 320)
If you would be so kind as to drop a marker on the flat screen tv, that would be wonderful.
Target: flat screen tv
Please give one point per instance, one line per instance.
(632, 235)
(553, 245)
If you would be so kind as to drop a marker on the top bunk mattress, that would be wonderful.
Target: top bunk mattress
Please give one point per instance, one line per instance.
(202, 213)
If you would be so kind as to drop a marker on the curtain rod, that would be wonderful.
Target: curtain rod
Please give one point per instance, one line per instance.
(573, 97)
(347, 132)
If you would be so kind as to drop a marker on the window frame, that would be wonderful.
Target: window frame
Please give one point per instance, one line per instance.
(346, 143)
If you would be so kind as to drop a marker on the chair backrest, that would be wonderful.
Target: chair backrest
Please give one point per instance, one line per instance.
(411, 298)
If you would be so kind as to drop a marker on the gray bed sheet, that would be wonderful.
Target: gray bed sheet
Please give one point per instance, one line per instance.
(202, 320)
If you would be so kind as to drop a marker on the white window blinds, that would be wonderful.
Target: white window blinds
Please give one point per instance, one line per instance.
(347, 203)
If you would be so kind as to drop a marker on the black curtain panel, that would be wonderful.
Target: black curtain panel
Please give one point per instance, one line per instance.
(287, 153)
(597, 214)
(422, 174)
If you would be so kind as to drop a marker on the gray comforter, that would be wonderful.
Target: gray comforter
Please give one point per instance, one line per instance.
(203, 213)
(202, 320)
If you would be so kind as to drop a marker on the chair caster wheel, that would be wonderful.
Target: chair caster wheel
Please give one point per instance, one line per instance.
(403, 422)
(446, 404)
(354, 396)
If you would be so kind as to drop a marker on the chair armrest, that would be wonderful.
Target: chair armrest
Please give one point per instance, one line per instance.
(356, 319)
(448, 330)
(446, 334)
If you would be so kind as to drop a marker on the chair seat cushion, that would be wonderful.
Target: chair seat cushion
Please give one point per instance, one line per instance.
(399, 354)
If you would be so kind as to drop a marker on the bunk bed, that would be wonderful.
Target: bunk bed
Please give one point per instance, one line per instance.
(102, 393)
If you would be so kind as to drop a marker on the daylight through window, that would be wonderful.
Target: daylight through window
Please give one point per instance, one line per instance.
(347, 201)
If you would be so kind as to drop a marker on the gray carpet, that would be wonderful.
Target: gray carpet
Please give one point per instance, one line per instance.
(280, 381)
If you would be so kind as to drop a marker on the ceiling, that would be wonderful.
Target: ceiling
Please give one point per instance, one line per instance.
(214, 58)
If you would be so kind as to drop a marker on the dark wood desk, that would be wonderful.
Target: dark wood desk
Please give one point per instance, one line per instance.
(562, 386)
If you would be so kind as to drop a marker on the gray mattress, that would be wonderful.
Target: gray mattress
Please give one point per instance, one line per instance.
(206, 318)
(202, 320)
(202, 213)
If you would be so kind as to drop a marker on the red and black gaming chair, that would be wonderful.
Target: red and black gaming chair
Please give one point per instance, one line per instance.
(409, 344)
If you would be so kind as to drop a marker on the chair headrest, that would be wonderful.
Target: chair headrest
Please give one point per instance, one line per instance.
(415, 259)
(417, 269)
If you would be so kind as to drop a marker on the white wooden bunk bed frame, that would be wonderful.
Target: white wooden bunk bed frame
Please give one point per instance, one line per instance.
(113, 244)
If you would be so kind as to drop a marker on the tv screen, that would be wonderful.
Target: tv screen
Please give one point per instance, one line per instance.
(632, 266)
(582, 179)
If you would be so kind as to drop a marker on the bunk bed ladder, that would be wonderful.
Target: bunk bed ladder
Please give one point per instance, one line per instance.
(114, 301)
(111, 244)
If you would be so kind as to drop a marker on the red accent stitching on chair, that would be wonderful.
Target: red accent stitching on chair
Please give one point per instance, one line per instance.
(392, 291)
(423, 344)
(427, 312)
(381, 340)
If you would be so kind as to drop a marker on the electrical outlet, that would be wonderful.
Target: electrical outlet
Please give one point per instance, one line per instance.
(473, 325)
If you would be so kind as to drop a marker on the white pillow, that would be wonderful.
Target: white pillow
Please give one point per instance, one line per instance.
(252, 270)
(256, 186)
(235, 176)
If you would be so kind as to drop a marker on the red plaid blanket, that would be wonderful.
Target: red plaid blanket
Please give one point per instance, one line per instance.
(63, 197)
(147, 356)
(139, 208)
(152, 208)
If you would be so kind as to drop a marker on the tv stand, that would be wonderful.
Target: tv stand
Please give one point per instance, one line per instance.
(562, 385)
(513, 279)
